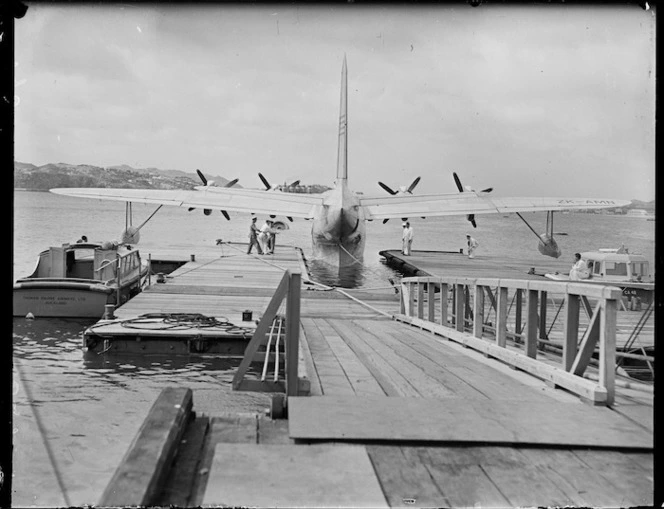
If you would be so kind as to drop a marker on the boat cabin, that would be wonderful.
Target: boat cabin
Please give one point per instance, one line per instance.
(617, 265)
(90, 261)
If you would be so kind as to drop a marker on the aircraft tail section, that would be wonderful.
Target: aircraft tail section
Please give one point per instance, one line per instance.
(342, 155)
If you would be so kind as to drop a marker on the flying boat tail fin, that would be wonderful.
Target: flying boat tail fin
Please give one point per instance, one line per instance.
(342, 155)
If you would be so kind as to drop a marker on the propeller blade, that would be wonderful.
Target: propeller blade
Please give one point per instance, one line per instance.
(265, 182)
(487, 190)
(458, 182)
(289, 218)
(471, 218)
(200, 174)
(294, 184)
(232, 183)
(412, 186)
(191, 208)
(226, 215)
(387, 188)
(385, 220)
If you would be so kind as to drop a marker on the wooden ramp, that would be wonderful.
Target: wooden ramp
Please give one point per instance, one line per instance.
(458, 420)
(292, 476)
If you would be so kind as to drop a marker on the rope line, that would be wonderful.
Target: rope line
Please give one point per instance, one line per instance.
(177, 321)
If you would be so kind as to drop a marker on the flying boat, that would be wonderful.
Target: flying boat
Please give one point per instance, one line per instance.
(338, 216)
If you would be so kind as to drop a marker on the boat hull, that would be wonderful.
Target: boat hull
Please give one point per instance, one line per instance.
(61, 299)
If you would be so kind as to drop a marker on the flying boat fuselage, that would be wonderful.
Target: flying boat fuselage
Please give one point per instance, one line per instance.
(339, 227)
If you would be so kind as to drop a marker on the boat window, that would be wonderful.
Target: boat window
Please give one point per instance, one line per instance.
(615, 269)
(640, 269)
(80, 254)
(597, 267)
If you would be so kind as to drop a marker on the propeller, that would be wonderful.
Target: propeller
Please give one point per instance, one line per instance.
(206, 183)
(402, 190)
(457, 180)
(268, 187)
(265, 182)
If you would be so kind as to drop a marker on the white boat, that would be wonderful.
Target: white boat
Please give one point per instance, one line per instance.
(616, 267)
(79, 280)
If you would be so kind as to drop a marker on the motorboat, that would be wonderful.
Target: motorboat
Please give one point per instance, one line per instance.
(79, 280)
(616, 267)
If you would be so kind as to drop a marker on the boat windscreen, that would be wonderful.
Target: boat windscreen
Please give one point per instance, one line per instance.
(639, 268)
(615, 269)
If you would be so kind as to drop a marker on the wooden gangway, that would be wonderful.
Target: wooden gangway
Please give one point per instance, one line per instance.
(392, 414)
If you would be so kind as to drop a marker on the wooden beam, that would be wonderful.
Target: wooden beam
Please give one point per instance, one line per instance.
(501, 317)
(138, 479)
(588, 343)
(607, 348)
(431, 301)
(293, 333)
(459, 306)
(531, 324)
(258, 338)
(443, 303)
(478, 315)
(420, 300)
(542, 314)
(571, 331)
(518, 310)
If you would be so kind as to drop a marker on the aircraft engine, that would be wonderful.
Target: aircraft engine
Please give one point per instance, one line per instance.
(130, 236)
(548, 246)
(457, 180)
(402, 190)
(206, 183)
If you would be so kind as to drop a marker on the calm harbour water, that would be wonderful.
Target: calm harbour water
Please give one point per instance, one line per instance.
(75, 416)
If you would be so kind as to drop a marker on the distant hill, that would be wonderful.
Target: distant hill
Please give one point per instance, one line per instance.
(42, 178)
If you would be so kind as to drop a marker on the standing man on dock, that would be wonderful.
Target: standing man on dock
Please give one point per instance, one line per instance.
(253, 237)
(407, 239)
(472, 245)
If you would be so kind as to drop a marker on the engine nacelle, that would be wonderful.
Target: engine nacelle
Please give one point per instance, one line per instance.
(548, 246)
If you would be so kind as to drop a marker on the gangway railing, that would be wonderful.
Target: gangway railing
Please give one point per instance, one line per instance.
(276, 341)
(483, 314)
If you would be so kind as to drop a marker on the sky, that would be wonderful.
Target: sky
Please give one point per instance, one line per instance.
(532, 100)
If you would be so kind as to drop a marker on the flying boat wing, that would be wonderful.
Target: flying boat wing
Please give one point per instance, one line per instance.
(237, 200)
(387, 207)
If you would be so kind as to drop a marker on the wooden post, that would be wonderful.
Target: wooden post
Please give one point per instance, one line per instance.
(531, 324)
(118, 281)
(607, 349)
(519, 305)
(420, 299)
(459, 306)
(571, 331)
(501, 317)
(411, 298)
(478, 314)
(542, 315)
(403, 298)
(292, 333)
(431, 301)
(443, 303)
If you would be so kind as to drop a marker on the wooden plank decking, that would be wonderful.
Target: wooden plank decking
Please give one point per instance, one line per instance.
(357, 357)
